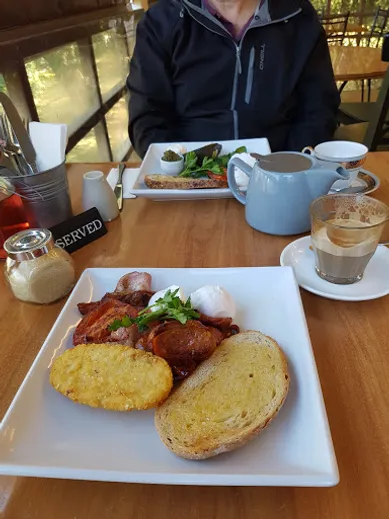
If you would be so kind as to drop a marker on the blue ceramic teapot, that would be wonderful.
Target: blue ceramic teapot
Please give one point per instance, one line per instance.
(281, 188)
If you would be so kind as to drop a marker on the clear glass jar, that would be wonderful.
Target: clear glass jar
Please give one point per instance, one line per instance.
(36, 269)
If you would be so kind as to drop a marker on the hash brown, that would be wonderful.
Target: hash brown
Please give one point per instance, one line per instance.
(110, 376)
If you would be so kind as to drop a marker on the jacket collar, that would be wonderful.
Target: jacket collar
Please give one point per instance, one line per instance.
(278, 9)
(270, 11)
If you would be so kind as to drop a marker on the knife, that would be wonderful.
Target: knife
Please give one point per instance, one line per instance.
(8, 161)
(119, 186)
(20, 131)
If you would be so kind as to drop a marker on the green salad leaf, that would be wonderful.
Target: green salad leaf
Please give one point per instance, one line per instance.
(195, 168)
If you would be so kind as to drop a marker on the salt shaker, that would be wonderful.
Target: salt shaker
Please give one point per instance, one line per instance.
(96, 192)
(36, 269)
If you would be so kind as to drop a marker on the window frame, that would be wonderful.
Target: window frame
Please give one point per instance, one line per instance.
(23, 43)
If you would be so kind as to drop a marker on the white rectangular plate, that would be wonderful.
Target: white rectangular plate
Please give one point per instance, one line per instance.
(44, 434)
(151, 165)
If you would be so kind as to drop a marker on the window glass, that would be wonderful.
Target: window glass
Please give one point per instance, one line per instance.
(111, 61)
(117, 123)
(3, 86)
(92, 148)
(63, 86)
(130, 28)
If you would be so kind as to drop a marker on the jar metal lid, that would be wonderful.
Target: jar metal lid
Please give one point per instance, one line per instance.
(29, 244)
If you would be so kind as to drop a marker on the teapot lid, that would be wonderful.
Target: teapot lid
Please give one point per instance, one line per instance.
(285, 162)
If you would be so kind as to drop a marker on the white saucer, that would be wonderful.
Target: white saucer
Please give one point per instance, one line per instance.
(365, 183)
(375, 282)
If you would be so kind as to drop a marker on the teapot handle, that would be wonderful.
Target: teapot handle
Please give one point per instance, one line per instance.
(235, 162)
(308, 150)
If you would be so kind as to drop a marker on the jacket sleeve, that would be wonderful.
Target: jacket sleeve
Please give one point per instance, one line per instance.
(318, 100)
(151, 105)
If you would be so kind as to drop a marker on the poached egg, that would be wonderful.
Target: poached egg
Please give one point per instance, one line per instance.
(161, 293)
(214, 301)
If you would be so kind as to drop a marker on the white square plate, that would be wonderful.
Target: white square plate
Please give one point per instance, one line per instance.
(44, 434)
(151, 165)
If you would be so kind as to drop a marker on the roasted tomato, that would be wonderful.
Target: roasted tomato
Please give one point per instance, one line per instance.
(215, 176)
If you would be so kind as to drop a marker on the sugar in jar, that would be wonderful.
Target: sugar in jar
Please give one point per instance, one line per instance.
(36, 269)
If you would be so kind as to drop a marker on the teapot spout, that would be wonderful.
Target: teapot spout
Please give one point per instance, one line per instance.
(321, 179)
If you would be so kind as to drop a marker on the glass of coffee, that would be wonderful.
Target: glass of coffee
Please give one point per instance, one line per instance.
(346, 230)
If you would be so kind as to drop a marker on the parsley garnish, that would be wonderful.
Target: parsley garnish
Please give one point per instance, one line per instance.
(214, 164)
(169, 306)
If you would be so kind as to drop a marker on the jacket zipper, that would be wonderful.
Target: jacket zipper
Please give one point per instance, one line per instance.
(238, 60)
(238, 71)
(250, 76)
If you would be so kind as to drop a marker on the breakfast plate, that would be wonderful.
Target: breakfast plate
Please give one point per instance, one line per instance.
(46, 435)
(151, 165)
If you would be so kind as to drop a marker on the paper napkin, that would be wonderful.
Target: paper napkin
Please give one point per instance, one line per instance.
(129, 177)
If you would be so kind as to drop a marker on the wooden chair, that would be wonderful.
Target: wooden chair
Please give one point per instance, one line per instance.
(352, 113)
(335, 26)
(374, 38)
(374, 131)
(378, 28)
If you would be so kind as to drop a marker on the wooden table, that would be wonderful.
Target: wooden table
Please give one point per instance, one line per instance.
(350, 341)
(357, 63)
(355, 28)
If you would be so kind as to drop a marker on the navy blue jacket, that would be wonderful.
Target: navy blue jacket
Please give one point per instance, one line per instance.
(191, 81)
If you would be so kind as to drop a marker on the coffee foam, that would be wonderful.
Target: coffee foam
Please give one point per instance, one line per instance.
(358, 209)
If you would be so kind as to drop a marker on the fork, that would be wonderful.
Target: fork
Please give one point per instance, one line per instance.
(7, 158)
(12, 150)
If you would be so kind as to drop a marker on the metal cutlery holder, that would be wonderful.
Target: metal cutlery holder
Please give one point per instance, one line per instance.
(45, 196)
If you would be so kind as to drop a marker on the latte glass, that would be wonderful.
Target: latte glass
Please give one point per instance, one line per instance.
(345, 232)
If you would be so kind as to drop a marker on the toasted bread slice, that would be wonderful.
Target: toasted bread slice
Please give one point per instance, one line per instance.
(169, 182)
(111, 376)
(228, 400)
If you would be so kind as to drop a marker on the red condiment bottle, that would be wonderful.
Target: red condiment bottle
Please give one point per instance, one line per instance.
(12, 215)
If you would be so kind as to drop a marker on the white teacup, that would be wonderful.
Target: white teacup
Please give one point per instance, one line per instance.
(350, 155)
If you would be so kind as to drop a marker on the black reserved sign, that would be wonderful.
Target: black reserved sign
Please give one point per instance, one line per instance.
(75, 233)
